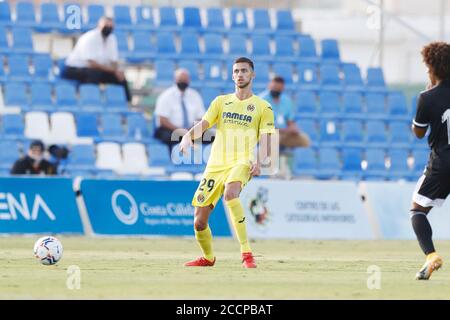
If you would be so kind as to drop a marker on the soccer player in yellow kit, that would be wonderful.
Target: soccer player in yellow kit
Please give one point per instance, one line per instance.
(242, 119)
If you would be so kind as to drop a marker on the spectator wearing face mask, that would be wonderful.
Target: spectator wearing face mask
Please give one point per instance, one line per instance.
(290, 135)
(177, 109)
(34, 162)
(95, 56)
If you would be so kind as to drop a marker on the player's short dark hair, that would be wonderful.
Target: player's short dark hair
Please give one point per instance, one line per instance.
(245, 60)
(278, 79)
(37, 143)
(436, 56)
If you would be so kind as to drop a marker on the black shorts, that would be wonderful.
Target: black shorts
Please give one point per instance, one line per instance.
(432, 188)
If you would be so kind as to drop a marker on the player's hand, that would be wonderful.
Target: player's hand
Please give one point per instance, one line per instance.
(255, 169)
(186, 144)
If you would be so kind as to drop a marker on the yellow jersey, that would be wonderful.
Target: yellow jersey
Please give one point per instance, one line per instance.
(240, 124)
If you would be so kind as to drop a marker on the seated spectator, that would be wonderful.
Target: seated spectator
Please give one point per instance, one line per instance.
(95, 58)
(283, 110)
(177, 110)
(34, 162)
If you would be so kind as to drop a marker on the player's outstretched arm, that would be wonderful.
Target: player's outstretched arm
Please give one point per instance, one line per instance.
(194, 133)
(264, 155)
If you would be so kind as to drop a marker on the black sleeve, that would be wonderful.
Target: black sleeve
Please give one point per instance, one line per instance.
(422, 119)
(19, 167)
(48, 167)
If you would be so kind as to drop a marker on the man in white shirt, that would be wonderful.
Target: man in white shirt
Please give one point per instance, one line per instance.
(177, 108)
(95, 57)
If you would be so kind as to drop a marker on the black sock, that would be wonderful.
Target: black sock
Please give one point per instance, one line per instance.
(423, 231)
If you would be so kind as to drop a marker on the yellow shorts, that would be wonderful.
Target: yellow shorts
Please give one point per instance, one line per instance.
(212, 185)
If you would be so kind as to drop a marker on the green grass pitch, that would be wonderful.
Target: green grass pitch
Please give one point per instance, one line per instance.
(148, 268)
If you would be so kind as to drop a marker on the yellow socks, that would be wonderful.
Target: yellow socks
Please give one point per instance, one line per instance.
(238, 220)
(431, 255)
(204, 239)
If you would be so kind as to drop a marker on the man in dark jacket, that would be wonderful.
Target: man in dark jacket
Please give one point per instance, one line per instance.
(34, 162)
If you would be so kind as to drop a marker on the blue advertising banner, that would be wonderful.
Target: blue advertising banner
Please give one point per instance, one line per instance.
(128, 207)
(38, 205)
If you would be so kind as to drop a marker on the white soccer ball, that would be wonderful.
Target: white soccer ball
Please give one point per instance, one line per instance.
(48, 250)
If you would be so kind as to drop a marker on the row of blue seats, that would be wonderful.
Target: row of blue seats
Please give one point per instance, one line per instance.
(327, 163)
(105, 126)
(164, 45)
(50, 19)
(40, 96)
(23, 68)
(374, 133)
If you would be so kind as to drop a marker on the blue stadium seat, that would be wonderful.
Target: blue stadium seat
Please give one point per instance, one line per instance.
(376, 165)
(284, 48)
(4, 46)
(215, 20)
(330, 104)
(352, 78)
(376, 134)
(191, 19)
(144, 18)
(112, 127)
(209, 94)
(190, 48)
(352, 133)
(66, 97)
(122, 17)
(213, 46)
(90, 97)
(16, 95)
(399, 166)
(164, 72)
(352, 103)
(285, 21)
(19, 68)
(238, 45)
(262, 76)
(25, 15)
(137, 127)
(286, 71)
(309, 127)
(192, 66)
(400, 134)
(397, 106)
(41, 97)
(50, 20)
(122, 43)
(95, 12)
(87, 125)
(329, 164)
(376, 106)
(305, 162)
(82, 157)
(13, 126)
(168, 19)
(307, 76)
(421, 157)
(10, 153)
(213, 73)
(306, 106)
(307, 50)
(159, 155)
(375, 80)
(165, 45)
(43, 68)
(238, 19)
(261, 22)
(22, 41)
(115, 98)
(330, 51)
(329, 78)
(329, 133)
(143, 50)
(5, 14)
(2, 72)
(261, 48)
(351, 164)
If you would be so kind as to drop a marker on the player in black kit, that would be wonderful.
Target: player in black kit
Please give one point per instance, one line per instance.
(433, 112)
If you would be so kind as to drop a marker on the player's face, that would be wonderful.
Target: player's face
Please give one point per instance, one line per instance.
(242, 74)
